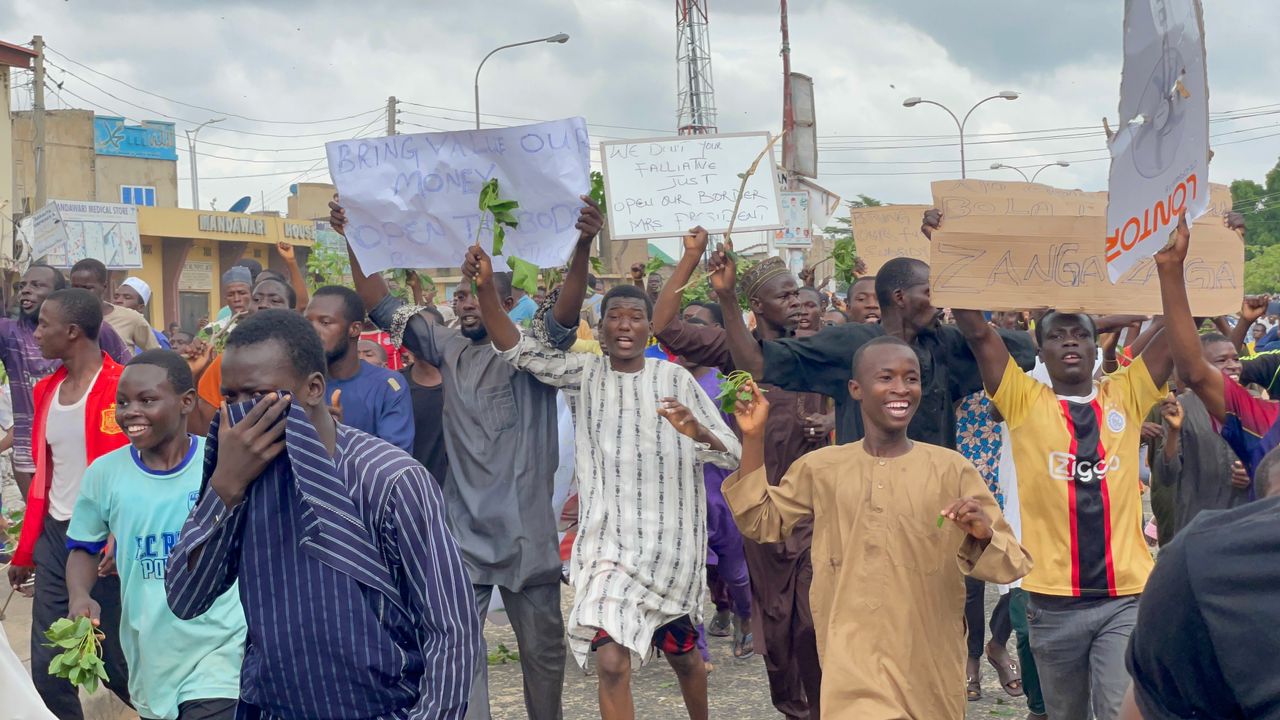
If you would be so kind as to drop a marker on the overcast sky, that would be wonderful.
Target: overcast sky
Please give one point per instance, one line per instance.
(289, 60)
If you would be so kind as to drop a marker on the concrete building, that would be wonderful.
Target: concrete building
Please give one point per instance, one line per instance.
(11, 56)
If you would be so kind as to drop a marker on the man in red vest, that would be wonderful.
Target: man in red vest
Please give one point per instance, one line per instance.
(75, 423)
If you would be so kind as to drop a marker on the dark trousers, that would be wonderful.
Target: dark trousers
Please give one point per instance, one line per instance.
(50, 604)
(215, 709)
(783, 622)
(974, 611)
(1030, 674)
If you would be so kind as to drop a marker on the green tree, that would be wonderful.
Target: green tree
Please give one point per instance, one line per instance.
(1260, 205)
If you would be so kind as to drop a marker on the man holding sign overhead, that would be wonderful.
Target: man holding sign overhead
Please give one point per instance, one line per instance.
(501, 438)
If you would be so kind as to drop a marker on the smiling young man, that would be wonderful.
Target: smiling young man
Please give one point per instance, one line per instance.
(888, 590)
(502, 441)
(782, 622)
(75, 424)
(374, 399)
(356, 600)
(141, 494)
(90, 274)
(25, 365)
(1075, 446)
(639, 562)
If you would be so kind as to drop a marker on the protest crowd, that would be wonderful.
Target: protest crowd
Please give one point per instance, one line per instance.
(964, 468)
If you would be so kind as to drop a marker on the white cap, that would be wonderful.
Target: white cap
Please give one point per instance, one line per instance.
(139, 286)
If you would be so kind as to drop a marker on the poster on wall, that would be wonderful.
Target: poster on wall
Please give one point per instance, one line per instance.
(65, 232)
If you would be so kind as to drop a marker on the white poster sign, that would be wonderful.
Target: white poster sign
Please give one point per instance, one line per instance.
(412, 200)
(663, 187)
(1160, 154)
(796, 231)
(68, 231)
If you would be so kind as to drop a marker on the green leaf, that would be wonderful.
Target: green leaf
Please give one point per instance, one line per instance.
(653, 266)
(55, 665)
(524, 274)
(68, 643)
(101, 671)
(597, 191)
(505, 206)
(62, 627)
(90, 683)
(499, 237)
(488, 193)
(75, 675)
(84, 626)
(597, 267)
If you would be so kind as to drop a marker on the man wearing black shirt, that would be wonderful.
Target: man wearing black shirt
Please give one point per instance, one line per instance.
(1205, 645)
(426, 390)
(823, 363)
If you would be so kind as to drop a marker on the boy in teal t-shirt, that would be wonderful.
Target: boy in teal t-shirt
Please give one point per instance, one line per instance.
(141, 494)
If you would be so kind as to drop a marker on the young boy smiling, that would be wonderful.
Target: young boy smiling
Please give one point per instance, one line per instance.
(639, 560)
(141, 494)
(879, 508)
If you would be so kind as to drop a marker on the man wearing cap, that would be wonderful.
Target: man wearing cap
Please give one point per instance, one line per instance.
(135, 294)
(780, 572)
(90, 274)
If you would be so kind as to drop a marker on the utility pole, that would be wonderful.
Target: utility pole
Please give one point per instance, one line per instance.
(788, 109)
(37, 114)
(391, 115)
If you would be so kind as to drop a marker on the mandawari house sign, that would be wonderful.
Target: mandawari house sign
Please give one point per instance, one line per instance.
(225, 224)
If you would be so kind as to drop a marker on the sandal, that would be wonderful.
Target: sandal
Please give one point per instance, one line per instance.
(743, 646)
(721, 624)
(1010, 676)
(973, 681)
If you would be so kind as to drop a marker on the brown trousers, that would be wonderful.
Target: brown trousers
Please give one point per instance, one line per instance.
(783, 627)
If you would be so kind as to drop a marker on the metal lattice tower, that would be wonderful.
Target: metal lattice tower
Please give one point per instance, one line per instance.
(696, 93)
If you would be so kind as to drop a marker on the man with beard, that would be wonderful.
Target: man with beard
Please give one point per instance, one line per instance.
(90, 274)
(25, 365)
(374, 399)
(780, 572)
(501, 437)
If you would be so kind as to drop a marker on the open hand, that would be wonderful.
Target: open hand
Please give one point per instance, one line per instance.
(681, 418)
(967, 512)
(248, 447)
(477, 266)
(337, 217)
(752, 414)
(589, 220)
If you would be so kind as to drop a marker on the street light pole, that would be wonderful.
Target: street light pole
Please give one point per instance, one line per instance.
(1003, 95)
(191, 150)
(557, 38)
(1036, 174)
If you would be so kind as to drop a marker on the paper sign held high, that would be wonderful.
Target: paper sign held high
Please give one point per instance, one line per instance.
(412, 200)
(1160, 153)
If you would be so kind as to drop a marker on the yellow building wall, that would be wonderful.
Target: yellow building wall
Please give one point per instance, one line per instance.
(7, 196)
(152, 273)
(114, 171)
(69, 154)
(311, 201)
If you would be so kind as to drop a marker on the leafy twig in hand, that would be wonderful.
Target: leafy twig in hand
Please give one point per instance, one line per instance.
(81, 659)
(503, 217)
(733, 390)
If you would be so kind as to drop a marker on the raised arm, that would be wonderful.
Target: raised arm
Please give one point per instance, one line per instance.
(765, 513)
(1184, 343)
(1251, 309)
(988, 349)
(668, 305)
(296, 277)
(574, 289)
(372, 289)
(477, 267)
(742, 344)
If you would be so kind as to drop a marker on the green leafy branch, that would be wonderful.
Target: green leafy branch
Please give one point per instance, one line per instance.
(734, 390)
(503, 655)
(80, 661)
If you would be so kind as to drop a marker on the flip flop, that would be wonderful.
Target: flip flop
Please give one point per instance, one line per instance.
(742, 641)
(1010, 676)
(973, 689)
(721, 624)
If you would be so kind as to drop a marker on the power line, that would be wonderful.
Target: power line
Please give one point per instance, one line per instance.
(201, 107)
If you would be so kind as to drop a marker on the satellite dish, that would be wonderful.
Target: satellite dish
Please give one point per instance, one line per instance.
(241, 205)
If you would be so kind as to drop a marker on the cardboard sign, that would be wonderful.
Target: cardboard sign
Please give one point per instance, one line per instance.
(888, 231)
(412, 200)
(663, 187)
(1025, 263)
(1160, 152)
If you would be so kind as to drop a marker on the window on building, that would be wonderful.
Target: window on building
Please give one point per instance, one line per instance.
(138, 195)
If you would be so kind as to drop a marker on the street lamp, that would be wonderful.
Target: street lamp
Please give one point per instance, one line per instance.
(1002, 166)
(191, 150)
(557, 38)
(1003, 95)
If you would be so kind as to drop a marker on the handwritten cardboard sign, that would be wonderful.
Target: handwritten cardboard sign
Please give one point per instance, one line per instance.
(412, 200)
(1043, 262)
(663, 187)
(1160, 152)
(888, 231)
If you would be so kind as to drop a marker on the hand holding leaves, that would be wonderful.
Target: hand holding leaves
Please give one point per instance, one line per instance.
(501, 210)
(81, 659)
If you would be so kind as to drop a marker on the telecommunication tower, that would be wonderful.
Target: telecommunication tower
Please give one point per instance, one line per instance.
(696, 101)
